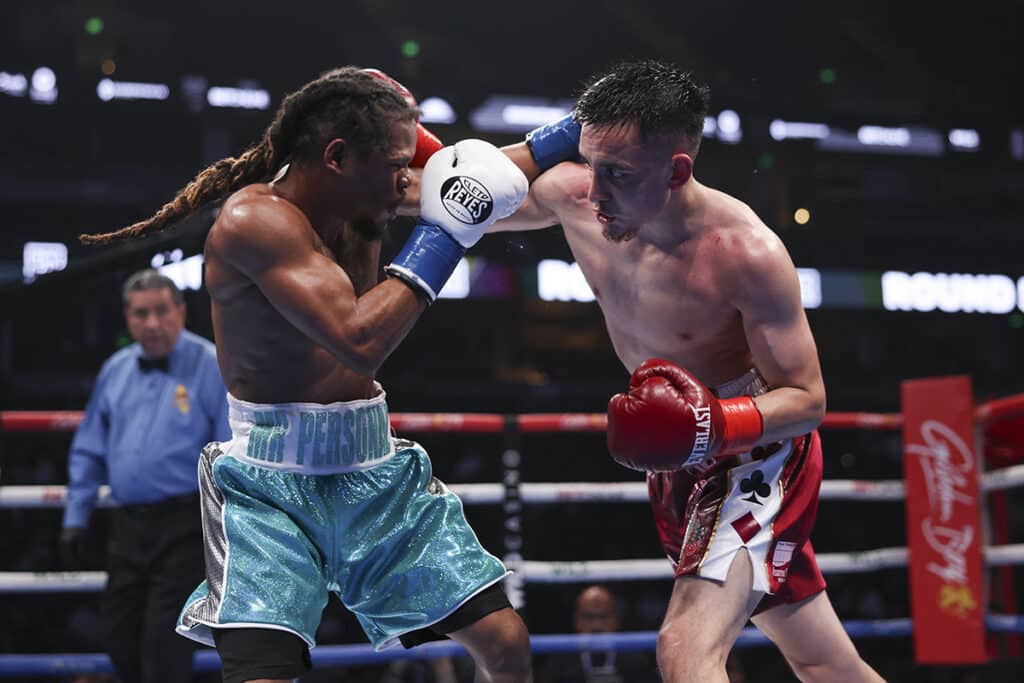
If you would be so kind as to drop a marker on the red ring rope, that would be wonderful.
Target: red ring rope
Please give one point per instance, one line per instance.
(999, 410)
(491, 423)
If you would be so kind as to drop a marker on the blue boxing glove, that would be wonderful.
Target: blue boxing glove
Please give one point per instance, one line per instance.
(464, 189)
(555, 142)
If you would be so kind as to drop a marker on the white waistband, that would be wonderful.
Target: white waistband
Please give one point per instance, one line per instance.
(750, 383)
(311, 438)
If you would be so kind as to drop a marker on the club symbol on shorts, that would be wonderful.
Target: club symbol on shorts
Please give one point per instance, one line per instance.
(755, 486)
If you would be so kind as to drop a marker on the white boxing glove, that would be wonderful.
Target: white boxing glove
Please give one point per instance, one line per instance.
(465, 188)
(468, 186)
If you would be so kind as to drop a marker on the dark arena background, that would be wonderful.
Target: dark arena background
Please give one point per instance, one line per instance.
(882, 141)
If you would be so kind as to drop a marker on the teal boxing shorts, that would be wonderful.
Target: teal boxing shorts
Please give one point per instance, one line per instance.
(310, 498)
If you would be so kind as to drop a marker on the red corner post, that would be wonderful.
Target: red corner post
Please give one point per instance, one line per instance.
(947, 587)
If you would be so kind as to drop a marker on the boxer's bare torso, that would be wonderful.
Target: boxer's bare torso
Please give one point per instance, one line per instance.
(670, 300)
(263, 357)
(298, 314)
(685, 273)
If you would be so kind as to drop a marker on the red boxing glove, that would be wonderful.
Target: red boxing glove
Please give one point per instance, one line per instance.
(402, 90)
(426, 142)
(670, 421)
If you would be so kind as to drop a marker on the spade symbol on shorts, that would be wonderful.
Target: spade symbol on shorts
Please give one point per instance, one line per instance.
(755, 486)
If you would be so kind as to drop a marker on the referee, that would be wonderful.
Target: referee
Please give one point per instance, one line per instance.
(155, 405)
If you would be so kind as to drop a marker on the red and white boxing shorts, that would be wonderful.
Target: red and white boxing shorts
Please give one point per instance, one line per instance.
(766, 504)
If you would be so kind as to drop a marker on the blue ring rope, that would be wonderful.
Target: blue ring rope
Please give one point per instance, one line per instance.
(353, 655)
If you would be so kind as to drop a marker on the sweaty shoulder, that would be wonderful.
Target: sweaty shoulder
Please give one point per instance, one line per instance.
(561, 186)
(749, 256)
(254, 225)
(746, 242)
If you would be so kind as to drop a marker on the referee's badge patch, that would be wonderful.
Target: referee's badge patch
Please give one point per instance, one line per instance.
(181, 399)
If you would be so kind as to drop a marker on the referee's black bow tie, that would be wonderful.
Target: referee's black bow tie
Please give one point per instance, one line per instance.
(147, 364)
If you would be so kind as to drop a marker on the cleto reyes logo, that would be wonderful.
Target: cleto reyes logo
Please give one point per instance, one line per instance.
(702, 420)
(466, 199)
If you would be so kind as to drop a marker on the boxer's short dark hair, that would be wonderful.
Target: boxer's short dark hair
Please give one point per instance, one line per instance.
(658, 98)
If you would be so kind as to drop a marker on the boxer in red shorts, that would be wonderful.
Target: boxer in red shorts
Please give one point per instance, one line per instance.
(702, 304)
(764, 501)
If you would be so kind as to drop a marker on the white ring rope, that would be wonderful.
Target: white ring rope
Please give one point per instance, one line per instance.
(551, 572)
(576, 492)
(46, 497)
(554, 572)
(52, 582)
(1002, 479)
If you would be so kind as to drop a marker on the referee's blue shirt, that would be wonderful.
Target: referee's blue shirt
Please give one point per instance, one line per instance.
(143, 430)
